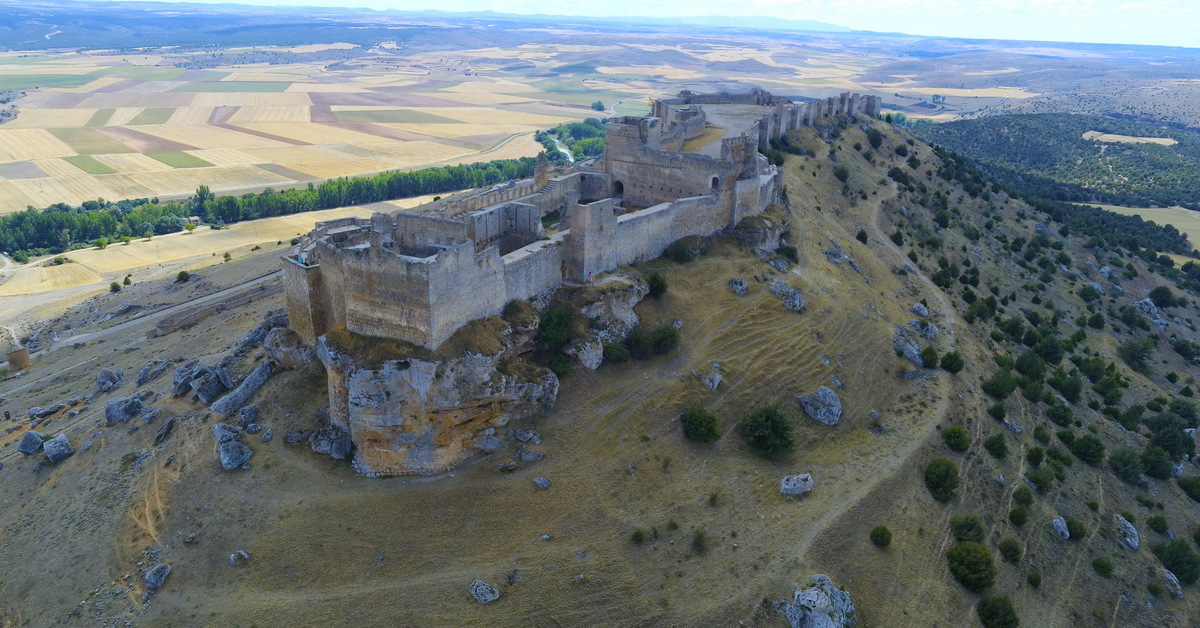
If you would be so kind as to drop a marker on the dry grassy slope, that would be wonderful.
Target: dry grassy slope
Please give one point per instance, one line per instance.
(329, 547)
(910, 578)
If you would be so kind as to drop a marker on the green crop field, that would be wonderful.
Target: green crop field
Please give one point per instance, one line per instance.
(89, 164)
(395, 116)
(89, 141)
(234, 86)
(153, 115)
(179, 159)
(100, 118)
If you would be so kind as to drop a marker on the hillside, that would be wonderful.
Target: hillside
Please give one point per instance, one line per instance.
(1080, 158)
(1009, 288)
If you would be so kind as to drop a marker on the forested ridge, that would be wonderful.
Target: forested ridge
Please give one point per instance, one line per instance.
(1046, 155)
(62, 227)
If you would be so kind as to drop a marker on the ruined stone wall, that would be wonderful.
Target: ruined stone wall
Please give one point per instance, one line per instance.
(301, 286)
(591, 244)
(417, 231)
(648, 177)
(387, 295)
(494, 223)
(534, 269)
(464, 285)
(753, 196)
(644, 235)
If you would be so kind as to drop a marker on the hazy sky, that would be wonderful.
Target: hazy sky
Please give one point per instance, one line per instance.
(1166, 22)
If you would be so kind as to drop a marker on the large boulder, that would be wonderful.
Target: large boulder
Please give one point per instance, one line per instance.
(31, 443)
(790, 296)
(157, 576)
(151, 371)
(823, 406)
(796, 484)
(332, 440)
(121, 410)
(906, 346)
(822, 605)
(1172, 584)
(107, 380)
(483, 592)
(287, 348)
(58, 448)
(235, 400)
(738, 286)
(920, 309)
(230, 450)
(275, 319)
(1147, 307)
(1129, 534)
(208, 387)
(1060, 527)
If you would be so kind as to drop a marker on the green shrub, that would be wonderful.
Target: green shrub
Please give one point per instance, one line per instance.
(788, 252)
(952, 362)
(997, 446)
(1061, 414)
(663, 339)
(768, 431)
(929, 356)
(997, 612)
(183, 276)
(1023, 495)
(554, 330)
(1034, 456)
(1034, 579)
(1019, 515)
(616, 352)
(1077, 529)
(1001, 385)
(680, 251)
(1103, 566)
(971, 564)
(658, 284)
(941, 478)
(1010, 549)
(1155, 589)
(956, 438)
(700, 541)
(639, 536)
(1126, 464)
(114, 287)
(638, 342)
(967, 528)
(998, 411)
(1089, 449)
(1042, 478)
(1191, 486)
(1137, 352)
(700, 425)
(881, 536)
(1156, 462)
(861, 236)
(561, 364)
(1196, 536)
(1158, 523)
(1178, 557)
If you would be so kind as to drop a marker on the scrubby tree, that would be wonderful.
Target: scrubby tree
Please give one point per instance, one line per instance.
(1191, 486)
(1010, 549)
(1137, 352)
(881, 536)
(700, 425)
(768, 431)
(997, 446)
(952, 362)
(998, 612)
(1178, 557)
(1089, 449)
(1103, 566)
(967, 528)
(971, 564)
(956, 438)
(941, 478)
(658, 284)
(929, 356)
(1126, 464)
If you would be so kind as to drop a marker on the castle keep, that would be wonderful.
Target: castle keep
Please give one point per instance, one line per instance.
(418, 276)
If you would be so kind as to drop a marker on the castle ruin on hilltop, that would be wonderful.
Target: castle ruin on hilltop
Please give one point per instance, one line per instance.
(420, 275)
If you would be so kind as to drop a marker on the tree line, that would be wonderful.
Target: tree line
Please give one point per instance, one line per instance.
(62, 227)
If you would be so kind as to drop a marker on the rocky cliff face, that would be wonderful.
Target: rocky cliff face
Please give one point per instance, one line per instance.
(422, 415)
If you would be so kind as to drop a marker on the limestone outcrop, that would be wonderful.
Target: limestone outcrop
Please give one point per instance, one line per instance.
(823, 406)
(421, 414)
(822, 605)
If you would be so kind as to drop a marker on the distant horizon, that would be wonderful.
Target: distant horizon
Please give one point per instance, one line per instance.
(1118, 22)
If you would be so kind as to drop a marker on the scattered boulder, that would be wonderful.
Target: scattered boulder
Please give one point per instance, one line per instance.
(711, 380)
(182, 380)
(165, 431)
(1176, 470)
(488, 443)
(796, 484)
(253, 428)
(920, 309)
(1129, 534)
(208, 387)
(58, 448)
(230, 450)
(528, 436)
(268, 435)
(1147, 307)
(248, 415)
(107, 381)
(41, 413)
(821, 606)
(790, 296)
(157, 576)
(31, 443)
(529, 456)
(1173, 584)
(738, 286)
(275, 319)
(483, 592)
(903, 343)
(287, 348)
(122, 410)
(927, 329)
(541, 482)
(235, 400)
(151, 371)
(332, 440)
(1060, 527)
(823, 406)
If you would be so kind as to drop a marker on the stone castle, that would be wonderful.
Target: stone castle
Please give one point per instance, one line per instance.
(418, 276)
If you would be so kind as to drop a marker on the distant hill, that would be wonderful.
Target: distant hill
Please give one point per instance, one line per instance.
(1047, 154)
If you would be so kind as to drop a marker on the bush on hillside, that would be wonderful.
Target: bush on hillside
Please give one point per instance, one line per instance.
(998, 612)
(941, 478)
(881, 536)
(1010, 549)
(768, 431)
(971, 564)
(967, 528)
(997, 446)
(1089, 449)
(658, 284)
(956, 439)
(1126, 464)
(952, 362)
(1178, 557)
(700, 425)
